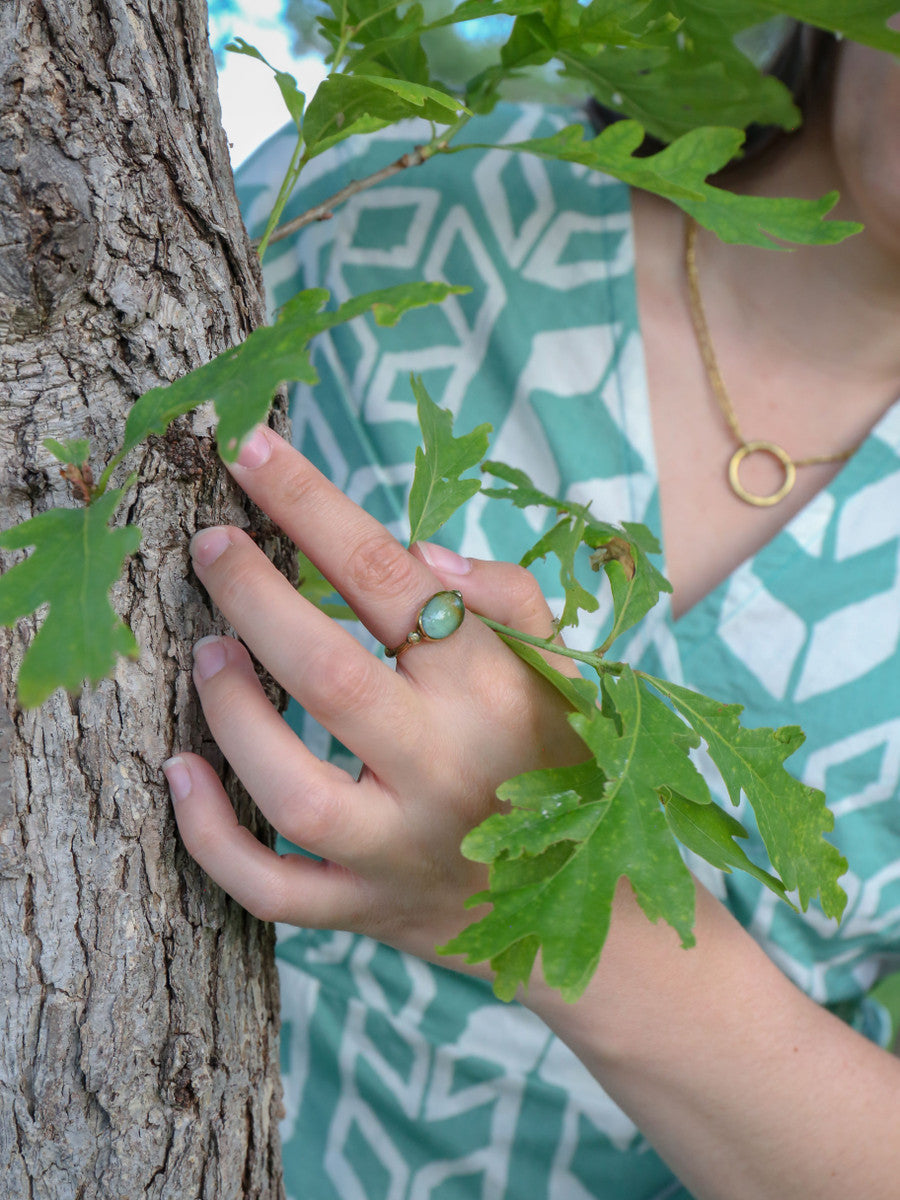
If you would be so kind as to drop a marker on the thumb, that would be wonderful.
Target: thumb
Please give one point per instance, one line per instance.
(500, 590)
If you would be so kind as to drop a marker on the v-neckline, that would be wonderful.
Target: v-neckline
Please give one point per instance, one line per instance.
(806, 526)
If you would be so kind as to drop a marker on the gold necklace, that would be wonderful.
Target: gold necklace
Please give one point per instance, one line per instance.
(745, 448)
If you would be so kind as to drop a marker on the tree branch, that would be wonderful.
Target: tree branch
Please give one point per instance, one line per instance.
(325, 210)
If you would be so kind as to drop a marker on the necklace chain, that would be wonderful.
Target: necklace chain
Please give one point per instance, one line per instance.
(745, 448)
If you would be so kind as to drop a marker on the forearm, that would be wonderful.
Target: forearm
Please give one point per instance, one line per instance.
(746, 1087)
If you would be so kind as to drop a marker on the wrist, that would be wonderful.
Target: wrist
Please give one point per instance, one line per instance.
(647, 990)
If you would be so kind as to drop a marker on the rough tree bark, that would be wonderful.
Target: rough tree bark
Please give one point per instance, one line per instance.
(139, 1054)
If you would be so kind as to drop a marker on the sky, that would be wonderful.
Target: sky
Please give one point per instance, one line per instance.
(252, 107)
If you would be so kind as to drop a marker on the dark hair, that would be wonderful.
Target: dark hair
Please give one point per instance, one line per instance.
(803, 62)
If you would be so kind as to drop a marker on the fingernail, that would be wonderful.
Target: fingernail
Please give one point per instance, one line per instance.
(256, 450)
(208, 544)
(445, 561)
(178, 778)
(209, 657)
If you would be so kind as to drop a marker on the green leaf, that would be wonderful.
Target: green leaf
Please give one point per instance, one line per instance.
(647, 747)
(387, 33)
(563, 540)
(476, 10)
(674, 93)
(539, 899)
(437, 490)
(523, 493)
(860, 20)
(572, 833)
(651, 63)
(621, 551)
(350, 104)
(294, 99)
(76, 559)
(791, 816)
(416, 95)
(74, 451)
(679, 173)
(241, 381)
(710, 832)
(548, 807)
(756, 220)
(674, 65)
(635, 583)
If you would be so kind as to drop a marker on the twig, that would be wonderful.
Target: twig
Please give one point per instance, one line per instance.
(325, 210)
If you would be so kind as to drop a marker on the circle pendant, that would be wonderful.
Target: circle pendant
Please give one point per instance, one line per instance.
(774, 451)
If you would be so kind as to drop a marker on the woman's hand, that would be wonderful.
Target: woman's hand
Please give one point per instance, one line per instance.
(712, 1051)
(437, 735)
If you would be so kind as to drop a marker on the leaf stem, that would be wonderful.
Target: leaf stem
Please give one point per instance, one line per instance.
(325, 210)
(284, 193)
(104, 479)
(591, 657)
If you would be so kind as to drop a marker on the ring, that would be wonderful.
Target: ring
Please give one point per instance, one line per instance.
(438, 618)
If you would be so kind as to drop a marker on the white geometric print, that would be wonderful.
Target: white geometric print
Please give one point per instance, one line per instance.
(488, 182)
(562, 1069)
(766, 635)
(563, 363)
(544, 265)
(879, 789)
(809, 526)
(418, 206)
(869, 519)
(850, 643)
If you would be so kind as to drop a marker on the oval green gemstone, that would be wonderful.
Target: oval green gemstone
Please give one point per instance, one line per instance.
(442, 615)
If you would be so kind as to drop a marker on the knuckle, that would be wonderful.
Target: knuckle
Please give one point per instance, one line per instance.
(307, 815)
(524, 591)
(268, 899)
(202, 841)
(298, 485)
(270, 904)
(239, 583)
(380, 564)
(225, 696)
(341, 681)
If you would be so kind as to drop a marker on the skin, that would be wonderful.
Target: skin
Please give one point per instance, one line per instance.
(745, 1086)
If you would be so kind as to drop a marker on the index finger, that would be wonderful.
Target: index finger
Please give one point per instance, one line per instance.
(382, 582)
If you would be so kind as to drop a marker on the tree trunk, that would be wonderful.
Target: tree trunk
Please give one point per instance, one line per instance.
(139, 1052)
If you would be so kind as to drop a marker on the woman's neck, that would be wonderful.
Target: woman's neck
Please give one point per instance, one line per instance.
(835, 306)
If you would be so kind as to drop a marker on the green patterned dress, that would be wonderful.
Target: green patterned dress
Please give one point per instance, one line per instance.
(407, 1082)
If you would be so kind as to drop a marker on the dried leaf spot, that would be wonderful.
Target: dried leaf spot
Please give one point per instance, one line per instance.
(615, 550)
